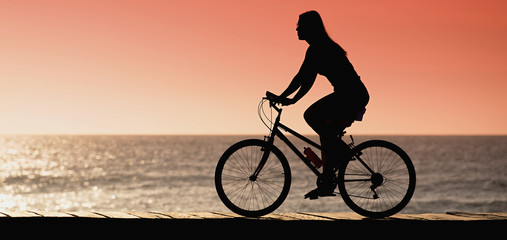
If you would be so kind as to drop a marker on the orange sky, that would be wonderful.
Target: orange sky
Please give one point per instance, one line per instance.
(200, 67)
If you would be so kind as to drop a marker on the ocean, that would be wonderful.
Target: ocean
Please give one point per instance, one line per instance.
(175, 173)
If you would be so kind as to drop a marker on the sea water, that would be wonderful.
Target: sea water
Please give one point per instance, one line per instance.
(175, 173)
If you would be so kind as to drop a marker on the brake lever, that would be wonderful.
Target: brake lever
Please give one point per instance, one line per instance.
(271, 98)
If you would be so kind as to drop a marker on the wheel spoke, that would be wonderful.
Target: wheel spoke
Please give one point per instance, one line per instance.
(252, 196)
(393, 180)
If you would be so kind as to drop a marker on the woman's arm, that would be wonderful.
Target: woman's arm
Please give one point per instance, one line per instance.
(303, 81)
(294, 85)
(307, 82)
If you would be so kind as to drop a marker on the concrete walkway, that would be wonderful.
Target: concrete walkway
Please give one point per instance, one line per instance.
(226, 225)
(303, 216)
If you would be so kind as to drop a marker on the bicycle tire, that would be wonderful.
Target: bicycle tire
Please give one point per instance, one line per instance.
(241, 194)
(394, 179)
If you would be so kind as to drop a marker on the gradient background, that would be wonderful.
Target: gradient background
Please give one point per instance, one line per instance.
(201, 67)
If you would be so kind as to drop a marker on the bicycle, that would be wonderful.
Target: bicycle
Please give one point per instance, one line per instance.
(253, 177)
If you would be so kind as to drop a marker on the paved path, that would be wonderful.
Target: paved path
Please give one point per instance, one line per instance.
(225, 225)
(303, 216)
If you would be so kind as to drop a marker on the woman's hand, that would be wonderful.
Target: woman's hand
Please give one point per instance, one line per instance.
(279, 99)
(286, 101)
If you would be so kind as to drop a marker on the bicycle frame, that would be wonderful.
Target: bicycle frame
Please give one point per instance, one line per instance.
(259, 194)
(276, 132)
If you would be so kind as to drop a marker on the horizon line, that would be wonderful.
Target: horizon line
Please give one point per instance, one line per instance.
(245, 134)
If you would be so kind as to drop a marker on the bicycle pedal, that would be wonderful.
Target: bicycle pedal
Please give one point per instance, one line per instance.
(314, 194)
(313, 197)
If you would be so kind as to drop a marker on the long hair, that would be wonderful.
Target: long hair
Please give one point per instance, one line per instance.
(314, 23)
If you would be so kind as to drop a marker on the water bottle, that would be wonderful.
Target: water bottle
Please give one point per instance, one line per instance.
(313, 157)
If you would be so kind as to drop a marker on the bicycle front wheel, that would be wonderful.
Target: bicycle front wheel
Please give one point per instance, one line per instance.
(379, 181)
(243, 192)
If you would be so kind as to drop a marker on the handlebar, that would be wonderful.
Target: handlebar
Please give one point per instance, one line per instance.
(267, 118)
(272, 98)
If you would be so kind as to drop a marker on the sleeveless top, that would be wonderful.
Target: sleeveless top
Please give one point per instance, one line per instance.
(329, 60)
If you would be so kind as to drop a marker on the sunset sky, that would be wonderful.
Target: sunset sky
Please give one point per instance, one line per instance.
(201, 67)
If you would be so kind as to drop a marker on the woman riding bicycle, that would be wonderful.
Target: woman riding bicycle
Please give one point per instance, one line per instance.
(329, 116)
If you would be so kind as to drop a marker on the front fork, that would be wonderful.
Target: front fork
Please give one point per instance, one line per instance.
(267, 150)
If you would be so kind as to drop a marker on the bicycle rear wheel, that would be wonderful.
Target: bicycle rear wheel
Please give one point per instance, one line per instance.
(379, 181)
(247, 195)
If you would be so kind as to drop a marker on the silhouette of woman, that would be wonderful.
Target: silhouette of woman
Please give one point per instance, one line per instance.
(329, 116)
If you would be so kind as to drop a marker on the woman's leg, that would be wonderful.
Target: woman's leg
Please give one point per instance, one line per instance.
(321, 116)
